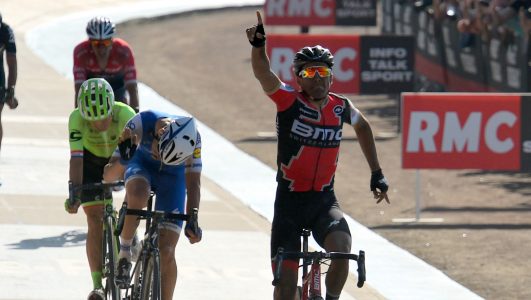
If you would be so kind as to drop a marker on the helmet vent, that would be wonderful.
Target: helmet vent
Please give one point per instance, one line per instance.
(95, 99)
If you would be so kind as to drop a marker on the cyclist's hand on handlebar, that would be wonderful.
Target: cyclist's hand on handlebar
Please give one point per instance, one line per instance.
(192, 230)
(256, 34)
(72, 208)
(10, 98)
(379, 186)
(127, 144)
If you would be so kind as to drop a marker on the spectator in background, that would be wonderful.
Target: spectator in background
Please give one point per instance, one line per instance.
(502, 14)
(7, 94)
(509, 28)
(525, 22)
(475, 20)
(446, 9)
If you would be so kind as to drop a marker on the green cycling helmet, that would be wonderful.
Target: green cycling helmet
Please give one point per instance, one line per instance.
(95, 99)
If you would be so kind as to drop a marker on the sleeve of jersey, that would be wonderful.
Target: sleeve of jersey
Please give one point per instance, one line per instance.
(353, 114)
(194, 163)
(125, 116)
(284, 97)
(80, 74)
(75, 132)
(131, 121)
(130, 68)
(11, 46)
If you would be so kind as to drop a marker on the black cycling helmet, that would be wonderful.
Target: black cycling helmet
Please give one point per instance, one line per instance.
(312, 54)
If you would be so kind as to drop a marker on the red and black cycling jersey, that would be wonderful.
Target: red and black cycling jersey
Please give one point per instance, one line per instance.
(119, 71)
(309, 139)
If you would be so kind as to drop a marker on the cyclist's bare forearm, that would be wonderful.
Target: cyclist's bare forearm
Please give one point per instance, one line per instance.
(193, 190)
(262, 70)
(367, 144)
(11, 60)
(76, 88)
(76, 170)
(132, 89)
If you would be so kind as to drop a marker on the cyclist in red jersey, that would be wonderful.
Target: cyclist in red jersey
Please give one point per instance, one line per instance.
(104, 56)
(309, 125)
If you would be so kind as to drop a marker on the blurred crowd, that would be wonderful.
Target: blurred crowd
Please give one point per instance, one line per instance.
(508, 20)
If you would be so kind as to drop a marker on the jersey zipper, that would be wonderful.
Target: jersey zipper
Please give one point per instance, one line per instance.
(319, 155)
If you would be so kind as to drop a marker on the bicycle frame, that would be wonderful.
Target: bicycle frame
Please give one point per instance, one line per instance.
(311, 279)
(110, 244)
(146, 273)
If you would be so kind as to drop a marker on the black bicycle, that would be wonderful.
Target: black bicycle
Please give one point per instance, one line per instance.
(110, 243)
(311, 281)
(145, 276)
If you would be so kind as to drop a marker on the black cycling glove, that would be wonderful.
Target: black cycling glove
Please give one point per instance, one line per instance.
(11, 100)
(127, 149)
(258, 42)
(378, 181)
(193, 226)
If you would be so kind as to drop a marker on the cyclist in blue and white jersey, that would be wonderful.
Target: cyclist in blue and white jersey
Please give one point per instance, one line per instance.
(162, 153)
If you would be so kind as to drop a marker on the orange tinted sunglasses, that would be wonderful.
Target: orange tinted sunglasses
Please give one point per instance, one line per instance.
(311, 71)
(97, 43)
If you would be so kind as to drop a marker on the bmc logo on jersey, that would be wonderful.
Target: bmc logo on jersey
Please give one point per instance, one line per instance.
(316, 133)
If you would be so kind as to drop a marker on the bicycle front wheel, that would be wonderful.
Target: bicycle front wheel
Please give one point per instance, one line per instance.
(112, 291)
(150, 286)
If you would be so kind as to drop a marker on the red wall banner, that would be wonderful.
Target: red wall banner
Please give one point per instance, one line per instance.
(321, 12)
(302, 13)
(346, 50)
(464, 131)
(362, 64)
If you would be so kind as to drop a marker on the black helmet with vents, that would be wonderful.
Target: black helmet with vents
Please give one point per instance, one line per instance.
(312, 54)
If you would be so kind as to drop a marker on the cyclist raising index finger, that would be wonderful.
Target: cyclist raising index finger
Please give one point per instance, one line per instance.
(309, 126)
(104, 56)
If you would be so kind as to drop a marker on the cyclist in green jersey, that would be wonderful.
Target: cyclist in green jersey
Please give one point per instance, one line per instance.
(94, 128)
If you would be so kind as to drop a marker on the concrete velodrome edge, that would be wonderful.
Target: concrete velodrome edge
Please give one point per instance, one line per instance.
(394, 272)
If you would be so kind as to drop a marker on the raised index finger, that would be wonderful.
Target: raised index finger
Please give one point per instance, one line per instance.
(259, 17)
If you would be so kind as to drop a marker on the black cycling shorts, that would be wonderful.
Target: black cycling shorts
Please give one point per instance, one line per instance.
(295, 211)
(2, 95)
(92, 173)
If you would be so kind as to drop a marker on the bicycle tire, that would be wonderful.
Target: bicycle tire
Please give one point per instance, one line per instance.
(137, 279)
(150, 286)
(157, 289)
(112, 291)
